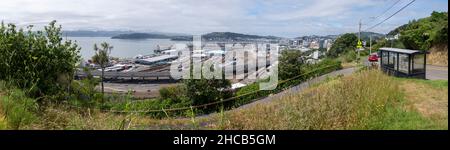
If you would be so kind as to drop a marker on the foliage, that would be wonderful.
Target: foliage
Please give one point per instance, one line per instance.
(424, 33)
(174, 93)
(290, 64)
(343, 44)
(40, 62)
(83, 91)
(101, 58)
(203, 91)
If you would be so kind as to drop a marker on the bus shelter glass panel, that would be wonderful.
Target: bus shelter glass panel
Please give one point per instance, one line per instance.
(403, 63)
(385, 57)
(418, 63)
(391, 60)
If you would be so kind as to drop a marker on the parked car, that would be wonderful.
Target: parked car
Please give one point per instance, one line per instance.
(373, 57)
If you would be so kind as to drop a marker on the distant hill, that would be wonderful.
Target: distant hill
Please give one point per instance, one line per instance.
(136, 36)
(120, 34)
(214, 36)
(230, 36)
(365, 36)
(86, 33)
(141, 36)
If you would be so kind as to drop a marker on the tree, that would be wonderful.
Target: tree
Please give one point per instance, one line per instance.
(426, 32)
(101, 58)
(343, 44)
(290, 65)
(203, 91)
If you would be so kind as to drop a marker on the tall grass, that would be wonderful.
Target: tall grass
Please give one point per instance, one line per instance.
(365, 100)
(17, 109)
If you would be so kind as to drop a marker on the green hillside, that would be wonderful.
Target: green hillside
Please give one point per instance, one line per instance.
(424, 33)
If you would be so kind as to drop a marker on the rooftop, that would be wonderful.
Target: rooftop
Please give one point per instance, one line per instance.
(404, 51)
(159, 58)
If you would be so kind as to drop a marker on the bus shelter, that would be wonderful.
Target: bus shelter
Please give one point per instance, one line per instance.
(403, 62)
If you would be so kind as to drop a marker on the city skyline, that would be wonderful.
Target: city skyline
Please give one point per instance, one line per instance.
(286, 18)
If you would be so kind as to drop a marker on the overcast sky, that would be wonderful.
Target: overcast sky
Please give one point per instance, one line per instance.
(288, 18)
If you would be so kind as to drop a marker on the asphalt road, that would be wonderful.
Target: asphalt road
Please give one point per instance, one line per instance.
(437, 73)
(433, 72)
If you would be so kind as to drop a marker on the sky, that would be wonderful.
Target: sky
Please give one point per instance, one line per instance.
(285, 18)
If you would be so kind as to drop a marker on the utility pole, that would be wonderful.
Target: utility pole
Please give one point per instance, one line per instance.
(359, 38)
(370, 47)
(392, 42)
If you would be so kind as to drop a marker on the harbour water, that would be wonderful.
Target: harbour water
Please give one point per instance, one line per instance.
(122, 48)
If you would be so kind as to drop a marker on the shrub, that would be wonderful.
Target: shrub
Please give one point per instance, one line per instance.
(203, 91)
(291, 63)
(174, 93)
(37, 61)
(343, 44)
(83, 92)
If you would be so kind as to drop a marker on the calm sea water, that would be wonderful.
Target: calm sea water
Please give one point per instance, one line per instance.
(122, 48)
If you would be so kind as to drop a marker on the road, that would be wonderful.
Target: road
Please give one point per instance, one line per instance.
(437, 73)
(433, 72)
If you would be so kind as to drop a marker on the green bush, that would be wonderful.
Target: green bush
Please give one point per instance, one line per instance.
(83, 92)
(350, 56)
(40, 62)
(174, 93)
(204, 91)
(426, 32)
(245, 97)
(343, 44)
(291, 62)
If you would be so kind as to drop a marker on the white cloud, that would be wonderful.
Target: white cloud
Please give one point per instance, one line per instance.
(275, 17)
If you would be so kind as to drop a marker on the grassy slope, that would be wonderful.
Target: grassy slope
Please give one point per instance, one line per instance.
(368, 100)
(2, 116)
(429, 98)
(52, 117)
(2, 119)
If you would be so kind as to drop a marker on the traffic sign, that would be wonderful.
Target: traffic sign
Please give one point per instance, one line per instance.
(359, 44)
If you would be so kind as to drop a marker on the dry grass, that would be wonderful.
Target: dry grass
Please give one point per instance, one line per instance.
(438, 56)
(347, 103)
(365, 100)
(61, 118)
(428, 100)
(348, 65)
(3, 124)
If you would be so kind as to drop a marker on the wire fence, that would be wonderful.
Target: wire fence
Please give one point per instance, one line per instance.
(212, 103)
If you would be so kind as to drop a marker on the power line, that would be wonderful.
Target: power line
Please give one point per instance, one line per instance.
(391, 16)
(384, 12)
